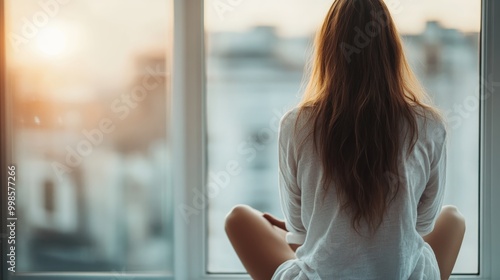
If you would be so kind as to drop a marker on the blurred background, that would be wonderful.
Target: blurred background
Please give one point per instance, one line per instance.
(256, 54)
(89, 82)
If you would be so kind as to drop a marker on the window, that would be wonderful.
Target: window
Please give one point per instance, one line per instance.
(159, 184)
(255, 61)
(88, 87)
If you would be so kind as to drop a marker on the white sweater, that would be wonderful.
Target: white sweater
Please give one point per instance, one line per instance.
(331, 249)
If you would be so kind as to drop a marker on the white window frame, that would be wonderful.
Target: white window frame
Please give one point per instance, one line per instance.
(189, 149)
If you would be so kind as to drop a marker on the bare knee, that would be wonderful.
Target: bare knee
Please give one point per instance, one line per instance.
(453, 217)
(452, 212)
(237, 216)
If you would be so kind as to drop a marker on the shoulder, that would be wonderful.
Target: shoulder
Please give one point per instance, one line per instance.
(296, 128)
(289, 119)
(292, 124)
(287, 126)
(432, 130)
(432, 124)
(297, 117)
(295, 122)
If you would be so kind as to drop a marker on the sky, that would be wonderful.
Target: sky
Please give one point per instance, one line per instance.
(304, 16)
(101, 36)
(95, 23)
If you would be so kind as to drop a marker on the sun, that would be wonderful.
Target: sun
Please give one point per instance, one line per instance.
(51, 41)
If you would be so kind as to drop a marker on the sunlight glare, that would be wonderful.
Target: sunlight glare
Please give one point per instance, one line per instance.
(51, 41)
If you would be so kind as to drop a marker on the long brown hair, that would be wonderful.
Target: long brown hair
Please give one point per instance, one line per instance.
(363, 99)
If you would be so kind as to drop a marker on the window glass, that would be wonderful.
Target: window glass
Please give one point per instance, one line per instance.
(88, 85)
(256, 53)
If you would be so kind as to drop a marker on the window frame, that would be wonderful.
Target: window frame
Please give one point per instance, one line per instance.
(489, 154)
(188, 140)
(490, 135)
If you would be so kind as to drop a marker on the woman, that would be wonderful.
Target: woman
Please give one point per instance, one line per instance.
(362, 167)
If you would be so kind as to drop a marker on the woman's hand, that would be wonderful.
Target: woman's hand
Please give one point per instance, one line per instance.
(280, 224)
(275, 221)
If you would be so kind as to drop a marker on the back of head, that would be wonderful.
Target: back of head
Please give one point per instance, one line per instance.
(361, 95)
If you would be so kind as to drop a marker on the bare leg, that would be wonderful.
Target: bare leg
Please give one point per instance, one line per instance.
(260, 246)
(446, 239)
